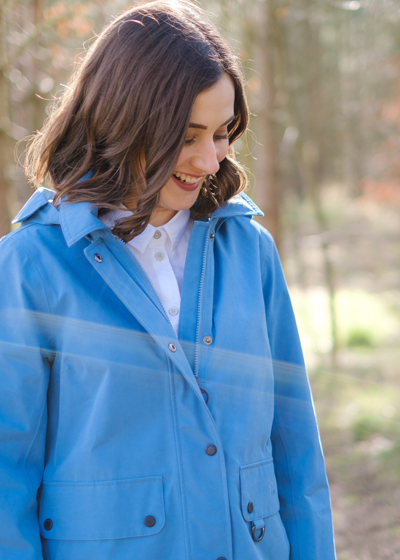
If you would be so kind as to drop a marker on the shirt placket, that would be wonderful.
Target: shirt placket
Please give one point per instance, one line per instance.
(164, 277)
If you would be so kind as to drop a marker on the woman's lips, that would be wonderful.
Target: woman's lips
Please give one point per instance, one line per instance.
(185, 186)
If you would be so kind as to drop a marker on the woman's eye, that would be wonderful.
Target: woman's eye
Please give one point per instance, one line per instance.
(190, 141)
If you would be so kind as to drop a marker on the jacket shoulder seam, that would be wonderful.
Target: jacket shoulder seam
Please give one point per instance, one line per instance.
(6, 238)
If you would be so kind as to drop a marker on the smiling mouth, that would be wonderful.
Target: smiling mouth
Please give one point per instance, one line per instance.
(187, 179)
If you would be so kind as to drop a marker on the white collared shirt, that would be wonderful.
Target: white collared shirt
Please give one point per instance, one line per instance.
(162, 253)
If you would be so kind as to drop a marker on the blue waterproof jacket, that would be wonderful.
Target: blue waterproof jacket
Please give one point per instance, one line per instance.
(109, 449)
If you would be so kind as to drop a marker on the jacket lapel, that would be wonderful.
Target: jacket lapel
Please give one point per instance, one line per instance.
(122, 281)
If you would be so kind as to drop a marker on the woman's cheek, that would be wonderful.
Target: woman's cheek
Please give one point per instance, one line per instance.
(222, 151)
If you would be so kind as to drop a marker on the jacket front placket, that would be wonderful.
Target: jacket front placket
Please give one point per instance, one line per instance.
(205, 334)
(200, 454)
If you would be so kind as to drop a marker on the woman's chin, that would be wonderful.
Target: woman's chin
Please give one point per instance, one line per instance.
(175, 197)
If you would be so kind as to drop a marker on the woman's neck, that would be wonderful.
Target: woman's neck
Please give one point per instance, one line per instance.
(161, 216)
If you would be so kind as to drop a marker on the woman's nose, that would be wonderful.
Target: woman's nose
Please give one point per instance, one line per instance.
(206, 159)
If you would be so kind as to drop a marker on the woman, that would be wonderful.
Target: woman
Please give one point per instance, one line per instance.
(154, 401)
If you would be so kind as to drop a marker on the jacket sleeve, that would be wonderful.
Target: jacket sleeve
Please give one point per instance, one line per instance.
(298, 457)
(24, 372)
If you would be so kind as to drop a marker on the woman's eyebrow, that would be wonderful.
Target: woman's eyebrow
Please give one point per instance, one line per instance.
(194, 125)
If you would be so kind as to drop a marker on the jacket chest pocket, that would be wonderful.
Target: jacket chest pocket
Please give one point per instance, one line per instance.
(115, 509)
(259, 495)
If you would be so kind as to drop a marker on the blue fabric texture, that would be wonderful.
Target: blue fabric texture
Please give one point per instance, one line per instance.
(108, 449)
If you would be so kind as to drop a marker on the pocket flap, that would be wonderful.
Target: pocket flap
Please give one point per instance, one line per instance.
(259, 492)
(113, 509)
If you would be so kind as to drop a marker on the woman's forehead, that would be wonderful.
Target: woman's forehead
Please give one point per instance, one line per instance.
(215, 106)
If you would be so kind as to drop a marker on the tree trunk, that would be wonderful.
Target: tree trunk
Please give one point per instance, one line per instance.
(4, 125)
(308, 154)
(266, 192)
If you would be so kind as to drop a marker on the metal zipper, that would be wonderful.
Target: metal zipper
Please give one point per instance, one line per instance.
(199, 308)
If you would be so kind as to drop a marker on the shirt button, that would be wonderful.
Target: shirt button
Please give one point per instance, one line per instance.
(207, 340)
(211, 450)
(149, 521)
(172, 347)
(159, 256)
(98, 258)
(250, 507)
(173, 311)
(157, 235)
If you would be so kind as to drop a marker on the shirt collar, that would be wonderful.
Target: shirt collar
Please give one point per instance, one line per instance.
(174, 229)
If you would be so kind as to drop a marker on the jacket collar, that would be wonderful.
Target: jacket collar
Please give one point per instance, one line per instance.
(40, 198)
(239, 205)
(79, 219)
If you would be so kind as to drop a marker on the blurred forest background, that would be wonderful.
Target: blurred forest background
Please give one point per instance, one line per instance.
(323, 81)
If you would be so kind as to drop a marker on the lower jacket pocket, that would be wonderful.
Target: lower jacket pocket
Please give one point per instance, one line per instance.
(259, 492)
(113, 509)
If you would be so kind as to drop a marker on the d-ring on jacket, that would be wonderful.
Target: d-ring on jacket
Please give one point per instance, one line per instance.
(108, 449)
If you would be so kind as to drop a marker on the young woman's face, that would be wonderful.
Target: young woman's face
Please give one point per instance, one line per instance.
(206, 145)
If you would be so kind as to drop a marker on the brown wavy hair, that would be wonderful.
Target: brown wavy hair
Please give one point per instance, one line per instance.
(121, 122)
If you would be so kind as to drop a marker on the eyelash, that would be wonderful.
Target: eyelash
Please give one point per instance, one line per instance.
(219, 137)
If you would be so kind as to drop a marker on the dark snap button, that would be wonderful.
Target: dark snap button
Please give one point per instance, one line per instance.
(48, 524)
(149, 521)
(211, 450)
(250, 507)
(98, 258)
(221, 558)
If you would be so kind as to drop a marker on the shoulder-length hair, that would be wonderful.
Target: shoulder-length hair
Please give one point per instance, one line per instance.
(122, 120)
